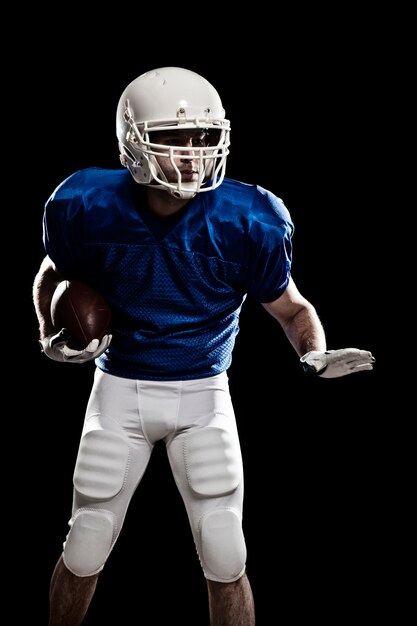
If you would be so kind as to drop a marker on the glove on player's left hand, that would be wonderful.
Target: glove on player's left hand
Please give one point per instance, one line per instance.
(336, 363)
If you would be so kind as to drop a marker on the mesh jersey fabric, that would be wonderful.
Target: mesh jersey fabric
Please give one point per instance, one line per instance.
(176, 290)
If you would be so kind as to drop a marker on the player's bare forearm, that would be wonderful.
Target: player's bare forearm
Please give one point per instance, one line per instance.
(305, 331)
(44, 286)
(299, 320)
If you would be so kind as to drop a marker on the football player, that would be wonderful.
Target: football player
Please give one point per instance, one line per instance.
(175, 247)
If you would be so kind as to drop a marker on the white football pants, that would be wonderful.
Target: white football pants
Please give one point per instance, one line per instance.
(124, 419)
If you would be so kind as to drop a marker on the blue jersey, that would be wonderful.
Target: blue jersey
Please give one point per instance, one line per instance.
(176, 286)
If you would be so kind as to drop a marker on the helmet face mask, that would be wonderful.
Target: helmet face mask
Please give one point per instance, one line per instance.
(151, 142)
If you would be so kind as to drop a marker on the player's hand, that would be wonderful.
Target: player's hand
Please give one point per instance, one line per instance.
(55, 347)
(336, 363)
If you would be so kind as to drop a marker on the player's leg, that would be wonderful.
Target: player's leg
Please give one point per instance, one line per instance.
(112, 458)
(206, 461)
(231, 603)
(70, 596)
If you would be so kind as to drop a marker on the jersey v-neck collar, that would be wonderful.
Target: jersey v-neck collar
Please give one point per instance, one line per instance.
(159, 228)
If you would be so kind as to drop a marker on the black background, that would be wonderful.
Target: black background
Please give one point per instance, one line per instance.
(302, 104)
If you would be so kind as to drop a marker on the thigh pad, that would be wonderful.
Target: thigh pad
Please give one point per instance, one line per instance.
(101, 464)
(212, 461)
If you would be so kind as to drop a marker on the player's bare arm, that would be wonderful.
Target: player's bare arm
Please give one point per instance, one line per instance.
(45, 283)
(298, 319)
(302, 326)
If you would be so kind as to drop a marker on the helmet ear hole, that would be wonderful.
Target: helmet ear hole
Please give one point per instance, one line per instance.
(138, 168)
(140, 174)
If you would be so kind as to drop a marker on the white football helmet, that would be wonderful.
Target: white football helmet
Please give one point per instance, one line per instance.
(170, 98)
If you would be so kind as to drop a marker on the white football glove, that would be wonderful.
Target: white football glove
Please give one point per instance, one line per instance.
(55, 347)
(336, 363)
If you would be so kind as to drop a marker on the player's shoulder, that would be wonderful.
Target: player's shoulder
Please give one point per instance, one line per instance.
(253, 200)
(90, 178)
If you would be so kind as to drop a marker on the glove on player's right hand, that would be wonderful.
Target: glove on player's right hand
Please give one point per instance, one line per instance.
(336, 363)
(55, 347)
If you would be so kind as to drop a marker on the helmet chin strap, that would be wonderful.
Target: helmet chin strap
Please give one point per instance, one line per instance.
(187, 191)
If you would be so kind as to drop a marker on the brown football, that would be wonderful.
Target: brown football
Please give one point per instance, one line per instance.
(82, 310)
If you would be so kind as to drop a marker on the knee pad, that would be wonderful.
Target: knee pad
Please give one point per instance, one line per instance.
(213, 461)
(89, 542)
(223, 548)
(101, 464)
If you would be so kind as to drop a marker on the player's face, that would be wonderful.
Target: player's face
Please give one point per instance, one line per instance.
(186, 160)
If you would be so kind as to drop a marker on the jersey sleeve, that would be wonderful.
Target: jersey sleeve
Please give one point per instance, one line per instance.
(270, 248)
(62, 226)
